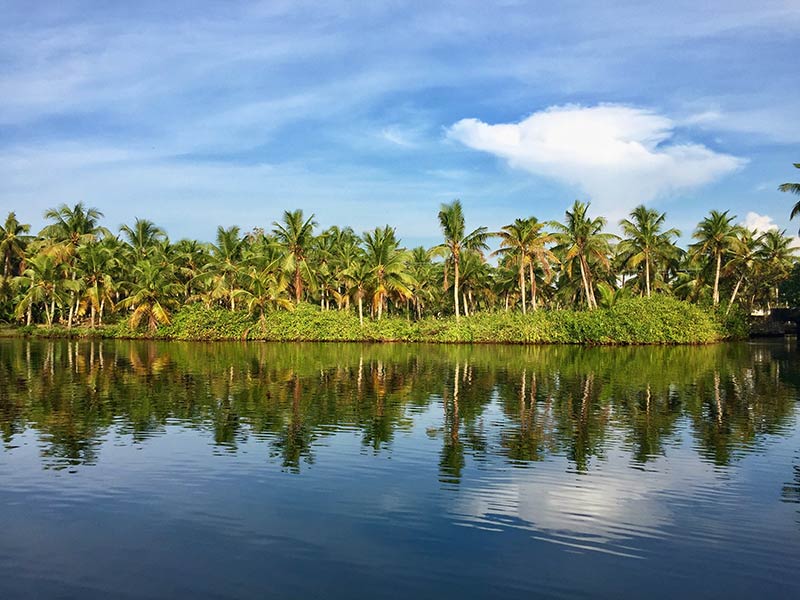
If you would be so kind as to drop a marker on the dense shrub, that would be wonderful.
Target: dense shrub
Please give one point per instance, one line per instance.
(656, 320)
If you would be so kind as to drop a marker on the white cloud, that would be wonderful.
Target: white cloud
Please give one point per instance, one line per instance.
(619, 156)
(762, 223)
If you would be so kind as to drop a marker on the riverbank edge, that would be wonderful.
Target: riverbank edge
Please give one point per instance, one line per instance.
(658, 320)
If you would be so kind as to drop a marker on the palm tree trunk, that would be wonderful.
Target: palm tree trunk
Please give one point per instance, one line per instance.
(522, 283)
(716, 279)
(298, 284)
(361, 310)
(585, 285)
(28, 318)
(533, 284)
(647, 274)
(102, 305)
(733, 296)
(466, 304)
(455, 284)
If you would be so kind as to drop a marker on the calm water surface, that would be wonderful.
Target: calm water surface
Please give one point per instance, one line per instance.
(162, 470)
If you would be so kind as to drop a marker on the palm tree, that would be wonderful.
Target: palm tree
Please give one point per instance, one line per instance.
(12, 245)
(451, 220)
(792, 188)
(742, 261)
(266, 290)
(143, 237)
(95, 263)
(515, 240)
(716, 237)
(153, 294)
(41, 282)
(645, 245)
(539, 254)
(224, 265)
(387, 264)
(582, 239)
(775, 258)
(358, 276)
(296, 234)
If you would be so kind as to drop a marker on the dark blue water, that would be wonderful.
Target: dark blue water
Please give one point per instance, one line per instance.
(144, 470)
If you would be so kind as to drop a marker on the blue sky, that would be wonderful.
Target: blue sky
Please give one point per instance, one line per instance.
(201, 114)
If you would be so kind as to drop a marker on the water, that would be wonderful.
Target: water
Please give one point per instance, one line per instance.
(162, 470)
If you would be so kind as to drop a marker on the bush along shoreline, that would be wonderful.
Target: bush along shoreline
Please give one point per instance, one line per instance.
(655, 320)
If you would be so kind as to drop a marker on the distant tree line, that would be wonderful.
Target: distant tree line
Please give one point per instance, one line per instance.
(77, 271)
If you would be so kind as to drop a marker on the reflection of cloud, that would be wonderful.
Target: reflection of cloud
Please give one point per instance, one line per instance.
(600, 511)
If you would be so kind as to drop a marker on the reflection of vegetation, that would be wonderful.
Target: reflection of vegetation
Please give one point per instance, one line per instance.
(556, 400)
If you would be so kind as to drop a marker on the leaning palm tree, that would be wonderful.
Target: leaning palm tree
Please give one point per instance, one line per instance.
(645, 245)
(12, 243)
(451, 220)
(716, 236)
(296, 235)
(792, 188)
(581, 239)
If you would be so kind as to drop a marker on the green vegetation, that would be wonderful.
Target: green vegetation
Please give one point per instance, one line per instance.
(570, 282)
(656, 320)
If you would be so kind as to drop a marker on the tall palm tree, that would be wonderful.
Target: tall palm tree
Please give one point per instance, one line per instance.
(792, 188)
(224, 270)
(358, 276)
(296, 234)
(742, 261)
(775, 257)
(645, 245)
(456, 241)
(515, 241)
(387, 264)
(12, 244)
(716, 236)
(539, 254)
(581, 239)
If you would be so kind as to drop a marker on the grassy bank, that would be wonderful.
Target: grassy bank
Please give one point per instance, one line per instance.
(656, 320)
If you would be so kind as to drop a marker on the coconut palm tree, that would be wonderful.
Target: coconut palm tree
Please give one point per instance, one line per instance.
(515, 241)
(12, 242)
(539, 255)
(775, 259)
(645, 246)
(387, 264)
(296, 234)
(581, 239)
(716, 236)
(742, 261)
(792, 188)
(143, 237)
(42, 283)
(456, 241)
(358, 276)
(154, 293)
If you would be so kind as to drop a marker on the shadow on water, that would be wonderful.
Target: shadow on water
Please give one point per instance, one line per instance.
(518, 404)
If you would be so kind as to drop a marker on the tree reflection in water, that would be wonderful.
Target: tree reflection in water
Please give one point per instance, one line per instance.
(518, 404)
